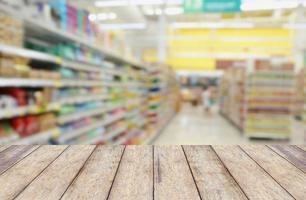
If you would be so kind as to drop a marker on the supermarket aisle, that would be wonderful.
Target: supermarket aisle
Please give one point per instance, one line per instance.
(191, 126)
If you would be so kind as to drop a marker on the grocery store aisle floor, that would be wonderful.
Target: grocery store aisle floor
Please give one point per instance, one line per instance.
(191, 126)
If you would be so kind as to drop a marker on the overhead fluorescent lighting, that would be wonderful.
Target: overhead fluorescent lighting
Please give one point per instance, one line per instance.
(111, 3)
(167, 11)
(295, 26)
(211, 25)
(127, 26)
(102, 16)
(269, 5)
(158, 11)
(118, 3)
(174, 11)
(92, 17)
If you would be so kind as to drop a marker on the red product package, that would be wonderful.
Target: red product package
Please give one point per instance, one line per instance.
(18, 125)
(31, 125)
(19, 94)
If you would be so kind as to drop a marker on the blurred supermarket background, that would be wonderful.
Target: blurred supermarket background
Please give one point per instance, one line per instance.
(152, 71)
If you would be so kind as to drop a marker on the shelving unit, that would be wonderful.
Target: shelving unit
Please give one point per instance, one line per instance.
(233, 94)
(162, 100)
(270, 97)
(90, 101)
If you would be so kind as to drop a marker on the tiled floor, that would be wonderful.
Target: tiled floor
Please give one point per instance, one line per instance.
(192, 126)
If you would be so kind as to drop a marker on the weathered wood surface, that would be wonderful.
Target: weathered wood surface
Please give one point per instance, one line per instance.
(152, 172)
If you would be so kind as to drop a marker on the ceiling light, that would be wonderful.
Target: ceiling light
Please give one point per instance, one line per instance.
(92, 17)
(112, 16)
(102, 16)
(117, 3)
(211, 25)
(126, 26)
(111, 3)
(295, 26)
(174, 11)
(158, 11)
(168, 11)
(269, 5)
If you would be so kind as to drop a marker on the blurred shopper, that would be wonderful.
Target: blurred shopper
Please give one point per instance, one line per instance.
(206, 99)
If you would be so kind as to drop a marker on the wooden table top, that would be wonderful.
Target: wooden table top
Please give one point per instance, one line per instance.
(152, 172)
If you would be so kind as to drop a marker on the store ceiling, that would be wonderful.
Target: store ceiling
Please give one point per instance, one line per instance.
(131, 16)
(145, 11)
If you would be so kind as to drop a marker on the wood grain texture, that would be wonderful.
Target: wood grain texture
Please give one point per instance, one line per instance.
(14, 180)
(302, 147)
(172, 176)
(3, 147)
(286, 174)
(134, 179)
(293, 154)
(53, 182)
(95, 180)
(13, 154)
(253, 180)
(211, 176)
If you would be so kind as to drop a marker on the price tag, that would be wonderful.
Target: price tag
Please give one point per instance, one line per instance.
(56, 133)
(59, 61)
(56, 106)
(7, 113)
(58, 83)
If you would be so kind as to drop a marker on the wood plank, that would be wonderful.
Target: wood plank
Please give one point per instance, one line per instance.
(13, 154)
(95, 180)
(172, 176)
(3, 147)
(253, 180)
(303, 147)
(14, 180)
(293, 154)
(134, 179)
(211, 176)
(54, 181)
(286, 174)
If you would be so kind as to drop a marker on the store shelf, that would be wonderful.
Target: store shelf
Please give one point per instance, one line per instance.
(269, 110)
(83, 114)
(76, 65)
(17, 51)
(126, 138)
(105, 137)
(87, 59)
(9, 140)
(259, 135)
(28, 110)
(83, 99)
(43, 30)
(38, 138)
(159, 130)
(109, 135)
(47, 32)
(73, 134)
(38, 83)
(21, 82)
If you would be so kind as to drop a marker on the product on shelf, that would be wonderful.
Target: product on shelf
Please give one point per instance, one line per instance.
(162, 101)
(233, 93)
(270, 100)
(7, 133)
(11, 30)
(74, 91)
(13, 66)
